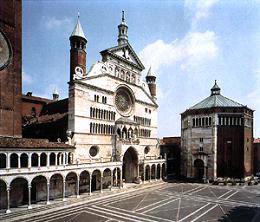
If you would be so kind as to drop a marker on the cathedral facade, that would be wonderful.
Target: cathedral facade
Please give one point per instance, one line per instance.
(217, 138)
(112, 111)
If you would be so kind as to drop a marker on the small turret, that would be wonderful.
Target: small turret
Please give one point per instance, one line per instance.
(122, 31)
(215, 90)
(78, 53)
(151, 81)
(55, 95)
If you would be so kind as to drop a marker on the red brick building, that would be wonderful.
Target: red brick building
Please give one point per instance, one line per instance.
(256, 147)
(10, 68)
(171, 147)
(32, 105)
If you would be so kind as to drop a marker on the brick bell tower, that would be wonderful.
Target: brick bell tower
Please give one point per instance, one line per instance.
(10, 68)
(78, 53)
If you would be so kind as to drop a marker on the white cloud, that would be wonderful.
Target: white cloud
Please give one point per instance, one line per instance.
(199, 9)
(54, 23)
(26, 78)
(194, 48)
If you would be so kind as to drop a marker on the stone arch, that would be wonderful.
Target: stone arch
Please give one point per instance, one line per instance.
(52, 159)
(147, 172)
(43, 159)
(130, 165)
(56, 186)
(199, 168)
(153, 172)
(18, 192)
(3, 196)
(106, 178)
(96, 180)
(71, 184)
(158, 173)
(24, 160)
(14, 160)
(34, 160)
(39, 189)
(3, 158)
(84, 182)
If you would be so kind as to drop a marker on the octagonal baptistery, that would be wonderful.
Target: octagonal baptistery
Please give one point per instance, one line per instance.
(216, 138)
(111, 110)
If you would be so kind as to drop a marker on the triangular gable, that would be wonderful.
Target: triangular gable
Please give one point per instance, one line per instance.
(125, 53)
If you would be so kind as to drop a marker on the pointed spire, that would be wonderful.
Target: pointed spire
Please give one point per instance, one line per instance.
(78, 31)
(149, 73)
(215, 90)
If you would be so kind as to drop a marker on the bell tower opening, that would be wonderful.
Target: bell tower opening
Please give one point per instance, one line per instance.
(130, 163)
(78, 53)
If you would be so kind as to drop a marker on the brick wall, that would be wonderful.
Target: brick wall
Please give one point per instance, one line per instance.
(10, 77)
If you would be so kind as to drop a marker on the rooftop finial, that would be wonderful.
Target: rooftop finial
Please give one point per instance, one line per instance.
(78, 14)
(123, 15)
(215, 90)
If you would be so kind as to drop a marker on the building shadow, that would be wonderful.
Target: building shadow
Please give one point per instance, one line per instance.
(241, 214)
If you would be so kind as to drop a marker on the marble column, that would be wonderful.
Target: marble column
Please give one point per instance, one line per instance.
(111, 180)
(78, 186)
(29, 197)
(160, 171)
(121, 178)
(144, 173)
(150, 176)
(90, 182)
(48, 193)
(19, 161)
(48, 160)
(64, 190)
(8, 161)
(39, 160)
(8, 200)
(101, 184)
(30, 160)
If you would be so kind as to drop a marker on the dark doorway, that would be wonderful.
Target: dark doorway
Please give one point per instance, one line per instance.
(130, 162)
(199, 169)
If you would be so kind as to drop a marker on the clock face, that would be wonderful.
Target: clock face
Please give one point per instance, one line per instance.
(5, 51)
(124, 101)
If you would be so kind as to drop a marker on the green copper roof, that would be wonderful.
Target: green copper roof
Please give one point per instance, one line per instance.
(216, 100)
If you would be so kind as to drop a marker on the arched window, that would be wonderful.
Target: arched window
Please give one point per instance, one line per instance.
(24, 160)
(14, 160)
(90, 128)
(2, 160)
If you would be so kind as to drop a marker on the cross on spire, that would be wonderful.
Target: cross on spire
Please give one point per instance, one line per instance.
(123, 15)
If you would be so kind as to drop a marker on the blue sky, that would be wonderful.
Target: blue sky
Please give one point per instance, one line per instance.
(188, 43)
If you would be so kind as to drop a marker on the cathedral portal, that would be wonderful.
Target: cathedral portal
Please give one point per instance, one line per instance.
(130, 163)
